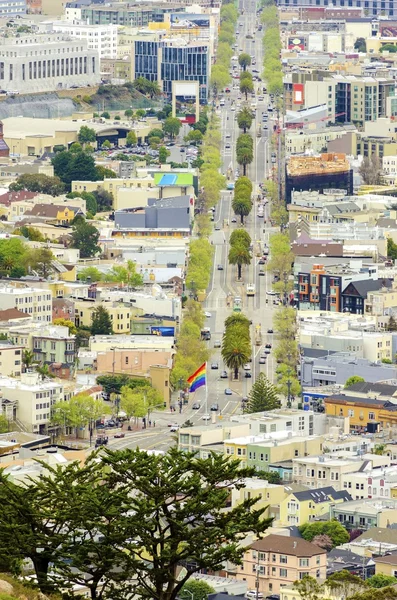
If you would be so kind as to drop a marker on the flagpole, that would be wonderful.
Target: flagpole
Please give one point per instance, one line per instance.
(206, 393)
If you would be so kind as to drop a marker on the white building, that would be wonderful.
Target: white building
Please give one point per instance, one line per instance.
(370, 483)
(30, 400)
(33, 301)
(45, 63)
(101, 38)
(12, 8)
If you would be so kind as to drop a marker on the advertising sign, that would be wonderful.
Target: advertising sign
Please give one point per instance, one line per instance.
(296, 43)
(297, 91)
(189, 21)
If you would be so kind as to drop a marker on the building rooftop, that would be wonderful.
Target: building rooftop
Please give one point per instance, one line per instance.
(379, 534)
(368, 506)
(317, 165)
(287, 545)
(324, 494)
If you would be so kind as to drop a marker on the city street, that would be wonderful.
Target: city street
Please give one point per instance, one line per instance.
(224, 284)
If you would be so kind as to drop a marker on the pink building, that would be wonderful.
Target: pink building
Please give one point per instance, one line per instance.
(278, 560)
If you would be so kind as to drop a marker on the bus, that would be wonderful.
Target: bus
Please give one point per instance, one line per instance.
(250, 289)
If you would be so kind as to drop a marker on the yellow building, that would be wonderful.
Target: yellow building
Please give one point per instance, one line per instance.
(386, 565)
(120, 315)
(303, 507)
(296, 213)
(269, 495)
(361, 412)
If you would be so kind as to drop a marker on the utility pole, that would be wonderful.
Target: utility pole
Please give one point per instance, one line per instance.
(257, 578)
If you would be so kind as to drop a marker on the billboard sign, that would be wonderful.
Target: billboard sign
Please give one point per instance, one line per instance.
(163, 331)
(297, 93)
(189, 21)
(296, 43)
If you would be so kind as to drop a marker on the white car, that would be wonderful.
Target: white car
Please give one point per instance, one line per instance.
(174, 428)
(247, 367)
(253, 594)
(232, 108)
(208, 314)
(206, 417)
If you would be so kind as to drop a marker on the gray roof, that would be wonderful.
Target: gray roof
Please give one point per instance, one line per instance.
(383, 389)
(346, 556)
(379, 534)
(342, 207)
(316, 352)
(358, 399)
(323, 495)
(367, 285)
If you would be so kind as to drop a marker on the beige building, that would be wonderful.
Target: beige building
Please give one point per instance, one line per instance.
(11, 360)
(281, 560)
(381, 302)
(329, 470)
(35, 302)
(30, 400)
(102, 343)
(270, 496)
(298, 142)
(131, 361)
(203, 438)
(120, 315)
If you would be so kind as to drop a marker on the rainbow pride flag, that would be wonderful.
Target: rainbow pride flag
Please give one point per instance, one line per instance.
(198, 379)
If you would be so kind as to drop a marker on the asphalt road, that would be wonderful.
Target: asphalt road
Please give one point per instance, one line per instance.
(224, 280)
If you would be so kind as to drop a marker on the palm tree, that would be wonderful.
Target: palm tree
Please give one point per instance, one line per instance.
(240, 236)
(239, 255)
(27, 358)
(379, 449)
(44, 371)
(236, 351)
(241, 206)
(237, 319)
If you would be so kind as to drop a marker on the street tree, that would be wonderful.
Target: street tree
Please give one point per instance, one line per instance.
(242, 207)
(219, 79)
(164, 153)
(172, 126)
(239, 255)
(237, 319)
(101, 323)
(309, 588)
(343, 583)
(131, 139)
(81, 410)
(85, 238)
(244, 119)
(38, 182)
(385, 593)
(263, 396)
(138, 402)
(31, 233)
(246, 86)
(371, 170)
(240, 236)
(244, 60)
(323, 541)
(392, 324)
(244, 156)
(236, 350)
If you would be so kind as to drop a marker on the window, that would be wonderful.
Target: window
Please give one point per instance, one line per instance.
(283, 559)
(371, 415)
(283, 572)
(274, 558)
(303, 562)
(303, 574)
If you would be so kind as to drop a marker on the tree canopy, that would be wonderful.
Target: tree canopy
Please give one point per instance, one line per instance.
(333, 529)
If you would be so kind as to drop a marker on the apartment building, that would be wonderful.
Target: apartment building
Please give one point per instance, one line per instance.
(11, 360)
(370, 483)
(327, 470)
(362, 411)
(120, 315)
(366, 513)
(30, 400)
(302, 507)
(101, 38)
(120, 14)
(46, 62)
(372, 8)
(35, 302)
(281, 560)
(12, 8)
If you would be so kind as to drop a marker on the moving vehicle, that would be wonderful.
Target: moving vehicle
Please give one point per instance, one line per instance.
(214, 407)
(224, 375)
(206, 333)
(119, 435)
(228, 392)
(260, 212)
(247, 367)
(214, 366)
(174, 428)
(196, 406)
(206, 417)
(217, 344)
(222, 102)
(250, 289)
(258, 335)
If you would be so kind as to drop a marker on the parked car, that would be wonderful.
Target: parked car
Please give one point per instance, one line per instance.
(254, 595)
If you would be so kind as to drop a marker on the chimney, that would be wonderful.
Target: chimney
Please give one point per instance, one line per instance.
(294, 545)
